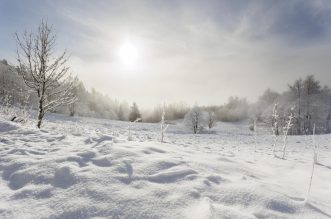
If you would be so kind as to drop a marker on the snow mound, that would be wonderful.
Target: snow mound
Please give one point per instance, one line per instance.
(171, 176)
(57, 173)
(63, 177)
(6, 126)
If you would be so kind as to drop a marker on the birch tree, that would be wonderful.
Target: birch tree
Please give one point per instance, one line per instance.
(43, 71)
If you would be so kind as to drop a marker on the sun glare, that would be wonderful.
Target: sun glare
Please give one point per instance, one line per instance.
(128, 54)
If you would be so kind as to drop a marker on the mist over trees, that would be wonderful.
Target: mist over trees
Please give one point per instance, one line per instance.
(134, 114)
(11, 86)
(173, 111)
(311, 103)
(309, 99)
(89, 103)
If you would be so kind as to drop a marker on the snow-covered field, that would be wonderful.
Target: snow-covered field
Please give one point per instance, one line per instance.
(87, 168)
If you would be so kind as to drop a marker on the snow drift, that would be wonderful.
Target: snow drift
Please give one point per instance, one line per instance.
(86, 168)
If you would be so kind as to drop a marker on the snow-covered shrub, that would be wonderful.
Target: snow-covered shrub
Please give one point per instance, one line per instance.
(315, 145)
(313, 164)
(130, 127)
(7, 109)
(164, 127)
(275, 130)
(253, 127)
(211, 119)
(255, 134)
(195, 120)
(5, 104)
(286, 129)
(23, 114)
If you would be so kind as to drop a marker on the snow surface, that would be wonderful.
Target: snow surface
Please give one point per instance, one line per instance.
(87, 168)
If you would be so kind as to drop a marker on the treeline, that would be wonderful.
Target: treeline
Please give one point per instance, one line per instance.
(306, 100)
(236, 109)
(173, 111)
(309, 101)
(92, 103)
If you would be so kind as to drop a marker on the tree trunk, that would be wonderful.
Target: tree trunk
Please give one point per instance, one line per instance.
(72, 109)
(40, 112)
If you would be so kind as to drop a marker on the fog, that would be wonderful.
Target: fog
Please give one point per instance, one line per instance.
(186, 51)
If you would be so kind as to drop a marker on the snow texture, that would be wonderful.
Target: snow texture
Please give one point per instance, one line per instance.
(86, 168)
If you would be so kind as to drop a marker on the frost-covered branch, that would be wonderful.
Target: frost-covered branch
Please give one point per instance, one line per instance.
(42, 72)
(275, 131)
(313, 165)
(164, 126)
(286, 129)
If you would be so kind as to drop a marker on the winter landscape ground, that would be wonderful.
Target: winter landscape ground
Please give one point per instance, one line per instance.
(92, 168)
(217, 109)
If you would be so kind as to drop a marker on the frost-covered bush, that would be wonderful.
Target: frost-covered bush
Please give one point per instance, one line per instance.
(164, 126)
(313, 164)
(6, 108)
(235, 110)
(286, 128)
(130, 128)
(275, 128)
(195, 120)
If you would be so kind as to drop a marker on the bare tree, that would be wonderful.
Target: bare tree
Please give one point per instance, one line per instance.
(211, 119)
(42, 72)
(312, 87)
(297, 89)
(195, 120)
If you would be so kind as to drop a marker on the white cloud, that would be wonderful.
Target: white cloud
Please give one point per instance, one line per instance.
(196, 51)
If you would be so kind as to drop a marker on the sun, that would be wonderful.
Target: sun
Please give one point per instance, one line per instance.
(128, 54)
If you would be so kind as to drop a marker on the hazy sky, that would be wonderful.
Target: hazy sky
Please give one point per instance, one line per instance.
(195, 51)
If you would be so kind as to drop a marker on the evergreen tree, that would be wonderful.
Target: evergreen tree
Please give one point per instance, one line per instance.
(134, 113)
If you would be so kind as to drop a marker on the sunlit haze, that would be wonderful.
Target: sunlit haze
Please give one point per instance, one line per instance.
(153, 52)
(129, 54)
